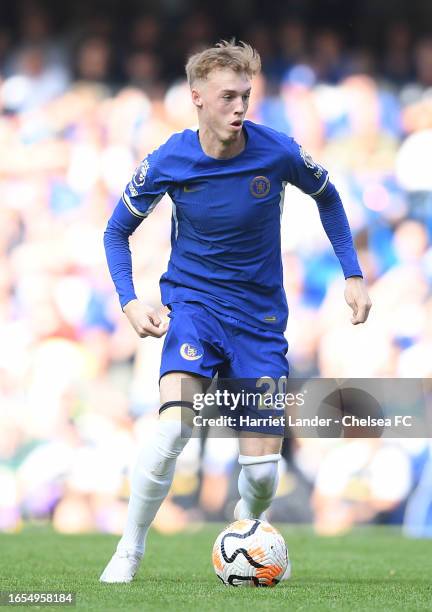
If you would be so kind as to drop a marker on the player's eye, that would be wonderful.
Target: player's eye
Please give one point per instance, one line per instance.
(227, 97)
(246, 97)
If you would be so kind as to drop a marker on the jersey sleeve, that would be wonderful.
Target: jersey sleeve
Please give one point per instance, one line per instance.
(302, 171)
(147, 186)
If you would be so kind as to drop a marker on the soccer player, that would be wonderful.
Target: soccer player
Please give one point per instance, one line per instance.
(223, 286)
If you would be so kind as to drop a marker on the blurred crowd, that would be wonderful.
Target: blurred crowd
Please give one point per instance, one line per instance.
(79, 389)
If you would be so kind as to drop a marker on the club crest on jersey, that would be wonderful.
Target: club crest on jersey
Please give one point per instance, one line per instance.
(140, 173)
(190, 352)
(259, 186)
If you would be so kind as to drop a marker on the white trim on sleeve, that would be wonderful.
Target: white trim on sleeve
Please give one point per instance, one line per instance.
(321, 189)
(132, 209)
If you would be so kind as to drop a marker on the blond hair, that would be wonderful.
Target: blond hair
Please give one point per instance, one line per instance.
(239, 57)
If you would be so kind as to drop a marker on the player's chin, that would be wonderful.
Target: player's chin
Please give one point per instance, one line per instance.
(232, 133)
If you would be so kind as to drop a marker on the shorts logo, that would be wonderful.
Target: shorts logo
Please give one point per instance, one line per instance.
(190, 352)
(140, 173)
(259, 186)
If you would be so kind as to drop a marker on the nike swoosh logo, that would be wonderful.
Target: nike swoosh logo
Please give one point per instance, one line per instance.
(187, 189)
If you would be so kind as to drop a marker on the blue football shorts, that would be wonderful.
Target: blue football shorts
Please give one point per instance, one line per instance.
(204, 342)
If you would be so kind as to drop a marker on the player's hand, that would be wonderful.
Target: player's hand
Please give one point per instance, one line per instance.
(145, 320)
(357, 298)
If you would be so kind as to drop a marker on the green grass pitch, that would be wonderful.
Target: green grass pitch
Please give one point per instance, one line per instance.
(369, 569)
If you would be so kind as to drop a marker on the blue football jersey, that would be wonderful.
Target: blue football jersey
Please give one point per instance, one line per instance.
(226, 220)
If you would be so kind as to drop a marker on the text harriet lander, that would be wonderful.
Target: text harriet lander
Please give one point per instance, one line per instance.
(348, 420)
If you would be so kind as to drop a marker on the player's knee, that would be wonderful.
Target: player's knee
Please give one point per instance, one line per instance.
(172, 436)
(158, 456)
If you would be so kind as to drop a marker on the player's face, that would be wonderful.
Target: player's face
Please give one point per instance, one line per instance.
(222, 101)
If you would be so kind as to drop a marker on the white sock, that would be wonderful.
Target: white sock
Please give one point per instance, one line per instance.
(152, 477)
(257, 483)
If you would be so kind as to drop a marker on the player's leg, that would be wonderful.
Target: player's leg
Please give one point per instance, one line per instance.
(153, 474)
(257, 354)
(189, 356)
(258, 479)
(259, 458)
(154, 470)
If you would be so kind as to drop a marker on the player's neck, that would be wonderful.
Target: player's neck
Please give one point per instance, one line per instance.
(213, 147)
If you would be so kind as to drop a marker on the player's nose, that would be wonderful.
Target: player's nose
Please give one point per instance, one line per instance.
(240, 108)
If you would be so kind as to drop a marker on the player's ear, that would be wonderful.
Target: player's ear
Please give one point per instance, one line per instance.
(196, 98)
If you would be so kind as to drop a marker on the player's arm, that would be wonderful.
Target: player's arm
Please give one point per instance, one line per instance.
(314, 180)
(141, 195)
(336, 226)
